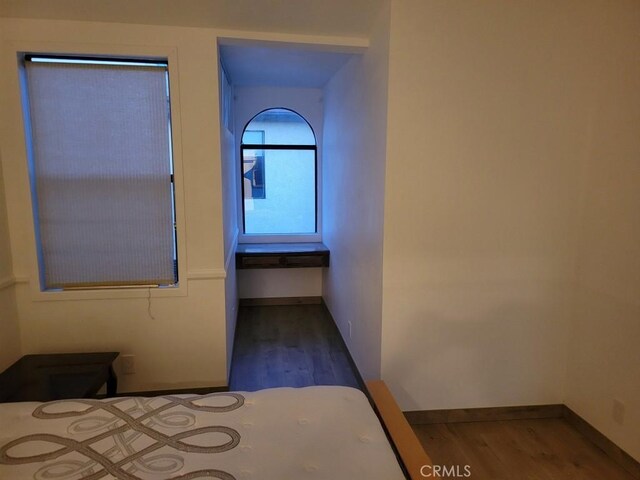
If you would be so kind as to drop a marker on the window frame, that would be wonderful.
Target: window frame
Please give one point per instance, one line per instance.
(115, 52)
(88, 60)
(244, 237)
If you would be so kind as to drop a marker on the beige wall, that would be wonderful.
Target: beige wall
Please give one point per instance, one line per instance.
(279, 282)
(6, 270)
(487, 120)
(604, 360)
(511, 247)
(10, 347)
(230, 223)
(179, 340)
(353, 182)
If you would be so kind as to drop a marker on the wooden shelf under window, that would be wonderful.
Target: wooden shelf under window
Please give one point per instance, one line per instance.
(281, 255)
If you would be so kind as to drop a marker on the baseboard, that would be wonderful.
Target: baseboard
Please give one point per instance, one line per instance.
(422, 417)
(493, 414)
(176, 391)
(273, 301)
(352, 362)
(618, 455)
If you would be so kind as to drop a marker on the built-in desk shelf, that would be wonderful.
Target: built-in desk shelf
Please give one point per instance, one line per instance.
(281, 255)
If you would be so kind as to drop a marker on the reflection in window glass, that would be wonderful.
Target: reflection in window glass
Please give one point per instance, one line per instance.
(253, 166)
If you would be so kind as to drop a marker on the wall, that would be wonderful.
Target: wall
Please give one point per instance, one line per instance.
(604, 360)
(280, 282)
(249, 101)
(10, 347)
(353, 179)
(230, 214)
(177, 336)
(488, 107)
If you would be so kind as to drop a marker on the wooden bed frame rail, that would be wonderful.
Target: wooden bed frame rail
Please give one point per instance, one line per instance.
(402, 436)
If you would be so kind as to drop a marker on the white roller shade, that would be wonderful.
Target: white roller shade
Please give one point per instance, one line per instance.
(101, 169)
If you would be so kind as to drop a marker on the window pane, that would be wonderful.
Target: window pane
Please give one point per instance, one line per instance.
(280, 127)
(253, 137)
(101, 167)
(288, 204)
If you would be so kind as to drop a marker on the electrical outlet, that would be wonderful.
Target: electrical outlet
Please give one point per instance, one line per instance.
(618, 411)
(128, 363)
(349, 329)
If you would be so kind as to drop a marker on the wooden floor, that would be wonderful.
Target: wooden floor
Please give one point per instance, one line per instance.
(545, 449)
(288, 346)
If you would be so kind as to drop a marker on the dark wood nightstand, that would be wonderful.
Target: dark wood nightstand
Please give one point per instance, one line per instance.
(42, 378)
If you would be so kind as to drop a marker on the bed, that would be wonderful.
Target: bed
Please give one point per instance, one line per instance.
(317, 432)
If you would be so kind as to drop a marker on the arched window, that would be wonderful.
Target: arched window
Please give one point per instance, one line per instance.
(278, 164)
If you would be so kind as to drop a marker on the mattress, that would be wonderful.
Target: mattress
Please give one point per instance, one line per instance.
(283, 433)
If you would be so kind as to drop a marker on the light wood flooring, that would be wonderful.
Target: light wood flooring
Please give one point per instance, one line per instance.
(288, 346)
(299, 345)
(544, 449)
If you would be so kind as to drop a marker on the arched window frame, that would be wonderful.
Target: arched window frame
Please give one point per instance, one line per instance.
(277, 237)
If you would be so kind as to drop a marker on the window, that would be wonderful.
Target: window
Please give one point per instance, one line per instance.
(279, 158)
(99, 144)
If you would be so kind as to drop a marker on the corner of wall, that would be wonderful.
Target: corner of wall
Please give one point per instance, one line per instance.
(354, 163)
(10, 339)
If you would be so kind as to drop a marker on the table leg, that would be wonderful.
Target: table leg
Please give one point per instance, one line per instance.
(112, 382)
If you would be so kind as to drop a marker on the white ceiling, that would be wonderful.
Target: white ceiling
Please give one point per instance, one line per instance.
(249, 66)
(315, 17)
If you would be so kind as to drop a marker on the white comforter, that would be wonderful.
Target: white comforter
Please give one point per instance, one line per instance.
(279, 434)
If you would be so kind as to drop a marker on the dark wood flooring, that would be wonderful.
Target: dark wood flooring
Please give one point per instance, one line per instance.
(544, 449)
(288, 346)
